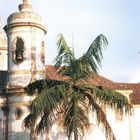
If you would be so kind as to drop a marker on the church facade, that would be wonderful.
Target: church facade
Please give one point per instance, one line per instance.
(22, 61)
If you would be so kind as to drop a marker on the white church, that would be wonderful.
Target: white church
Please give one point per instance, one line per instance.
(22, 60)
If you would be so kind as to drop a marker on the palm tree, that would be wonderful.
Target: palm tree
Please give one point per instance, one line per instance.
(71, 97)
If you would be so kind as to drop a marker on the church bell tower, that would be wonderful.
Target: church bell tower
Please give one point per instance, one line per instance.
(26, 46)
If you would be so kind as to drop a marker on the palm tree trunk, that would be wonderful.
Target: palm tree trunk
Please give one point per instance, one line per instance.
(47, 136)
(33, 134)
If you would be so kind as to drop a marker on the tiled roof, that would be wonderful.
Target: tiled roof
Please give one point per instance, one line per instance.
(52, 73)
(135, 97)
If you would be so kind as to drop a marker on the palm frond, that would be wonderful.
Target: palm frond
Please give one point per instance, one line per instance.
(113, 99)
(29, 121)
(44, 105)
(94, 54)
(36, 87)
(65, 54)
(110, 97)
(48, 99)
(45, 122)
(96, 48)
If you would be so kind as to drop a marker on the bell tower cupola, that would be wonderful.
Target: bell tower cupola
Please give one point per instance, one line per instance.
(26, 46)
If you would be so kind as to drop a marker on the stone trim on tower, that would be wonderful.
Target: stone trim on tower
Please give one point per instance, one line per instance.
(43, 52)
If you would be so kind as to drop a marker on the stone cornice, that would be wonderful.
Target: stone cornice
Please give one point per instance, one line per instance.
(30, 24)
(3, 48)
(25, 72)
(13, 92)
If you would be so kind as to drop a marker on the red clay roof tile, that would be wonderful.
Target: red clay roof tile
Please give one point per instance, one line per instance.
(52, 73)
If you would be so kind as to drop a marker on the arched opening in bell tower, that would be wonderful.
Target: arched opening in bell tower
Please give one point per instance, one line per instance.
(18, 50)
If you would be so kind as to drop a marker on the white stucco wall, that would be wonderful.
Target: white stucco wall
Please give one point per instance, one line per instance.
(135, 123)
(3, 60)
(16, 131)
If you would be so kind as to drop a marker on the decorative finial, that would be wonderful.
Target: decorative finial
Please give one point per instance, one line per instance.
(25, 1)
(25, 6)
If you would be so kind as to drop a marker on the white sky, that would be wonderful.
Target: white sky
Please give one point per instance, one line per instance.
(84, 20)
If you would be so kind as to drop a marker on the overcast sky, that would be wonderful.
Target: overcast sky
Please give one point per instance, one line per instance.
(81, 21)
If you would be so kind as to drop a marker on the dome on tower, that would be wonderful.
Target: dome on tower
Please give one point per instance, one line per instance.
(25, 17)
(25, 14)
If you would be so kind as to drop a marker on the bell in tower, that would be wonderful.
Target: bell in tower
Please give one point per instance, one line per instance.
(19, 52)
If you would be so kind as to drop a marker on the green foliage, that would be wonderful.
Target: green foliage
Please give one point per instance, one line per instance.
(73, 100)
(84, 66)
